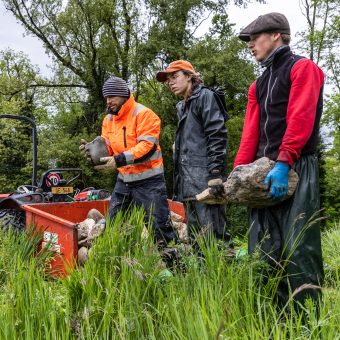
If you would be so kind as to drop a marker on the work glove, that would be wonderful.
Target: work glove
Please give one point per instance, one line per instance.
(109, 164)
(94, 150)
(84, 151)
(277, 180)
(216, 188)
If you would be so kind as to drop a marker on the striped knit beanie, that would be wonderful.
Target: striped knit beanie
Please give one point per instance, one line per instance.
(116, 87)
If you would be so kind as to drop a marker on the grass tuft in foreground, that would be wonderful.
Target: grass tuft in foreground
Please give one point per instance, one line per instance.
(125, 292)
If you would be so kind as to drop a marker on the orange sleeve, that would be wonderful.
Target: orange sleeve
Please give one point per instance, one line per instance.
(148, 130)
(105, 133)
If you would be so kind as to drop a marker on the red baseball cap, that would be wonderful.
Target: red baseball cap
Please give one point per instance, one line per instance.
(177, 65)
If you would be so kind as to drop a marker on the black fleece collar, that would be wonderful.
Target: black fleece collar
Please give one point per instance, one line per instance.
(275, 55)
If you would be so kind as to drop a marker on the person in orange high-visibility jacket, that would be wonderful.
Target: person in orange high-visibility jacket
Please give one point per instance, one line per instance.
(131, 132)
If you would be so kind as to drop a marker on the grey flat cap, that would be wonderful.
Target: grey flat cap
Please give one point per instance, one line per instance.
(271, 22)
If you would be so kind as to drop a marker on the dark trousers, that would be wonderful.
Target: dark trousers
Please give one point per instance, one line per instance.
(150, 194)
(288, 235)
(210, 216)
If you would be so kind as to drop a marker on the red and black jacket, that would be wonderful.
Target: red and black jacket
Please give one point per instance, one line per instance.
(283, 111)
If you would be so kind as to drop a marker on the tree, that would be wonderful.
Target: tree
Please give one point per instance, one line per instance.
(322, 40)
(331, 192)
(91, 39)
(18, 96)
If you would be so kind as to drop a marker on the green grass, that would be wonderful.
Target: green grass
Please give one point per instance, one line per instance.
(124, 292)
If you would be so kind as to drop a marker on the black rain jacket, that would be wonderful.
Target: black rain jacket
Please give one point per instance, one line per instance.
(201, 142)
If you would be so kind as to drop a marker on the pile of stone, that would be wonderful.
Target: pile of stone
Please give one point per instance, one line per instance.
(177, 223)
(245, 186)
(88, 230)
(94, 225)
(179, 226)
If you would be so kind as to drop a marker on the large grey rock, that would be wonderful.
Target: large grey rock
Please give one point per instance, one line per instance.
(85, 227)
(95, 215)
(245, 185)
(82, 255)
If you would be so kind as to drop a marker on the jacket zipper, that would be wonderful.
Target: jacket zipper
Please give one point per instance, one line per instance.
(271, 91)
(124, 132)
(266, 110)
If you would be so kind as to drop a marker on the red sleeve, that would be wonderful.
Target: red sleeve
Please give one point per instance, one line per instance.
(251, 130)
(307, 79)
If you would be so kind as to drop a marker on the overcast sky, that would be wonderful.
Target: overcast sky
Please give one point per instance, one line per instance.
(12, 33)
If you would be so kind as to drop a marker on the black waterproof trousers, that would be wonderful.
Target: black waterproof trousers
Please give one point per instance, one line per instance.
(150, 194)
(210, 216)
(288, 235)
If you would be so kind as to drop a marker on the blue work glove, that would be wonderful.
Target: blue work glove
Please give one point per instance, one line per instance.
(277, 180)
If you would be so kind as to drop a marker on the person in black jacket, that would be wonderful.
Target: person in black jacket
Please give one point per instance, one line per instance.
(200, 148)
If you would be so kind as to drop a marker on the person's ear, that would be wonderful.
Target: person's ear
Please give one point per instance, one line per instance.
(276, 36)
(189, 77)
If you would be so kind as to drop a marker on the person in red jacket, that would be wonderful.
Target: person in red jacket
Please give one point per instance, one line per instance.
(131, 132)
(282, 123)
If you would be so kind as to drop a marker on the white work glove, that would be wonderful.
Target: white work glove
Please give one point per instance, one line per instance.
(110, 164)
(83, 150)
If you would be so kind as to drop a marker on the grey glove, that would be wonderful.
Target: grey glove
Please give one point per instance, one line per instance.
(83, 151)
(94, 150)
(216, 188)
(110, 164)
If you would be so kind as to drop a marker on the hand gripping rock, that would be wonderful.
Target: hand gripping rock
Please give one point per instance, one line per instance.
(97, 149)
(245, 185)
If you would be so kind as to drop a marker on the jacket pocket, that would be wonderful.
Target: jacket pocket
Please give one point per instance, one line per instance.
(194, 160)
(194, 173)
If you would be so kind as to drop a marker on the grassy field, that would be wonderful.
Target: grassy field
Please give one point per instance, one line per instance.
(124, 292)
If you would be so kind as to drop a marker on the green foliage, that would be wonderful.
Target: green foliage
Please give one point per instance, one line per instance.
(331, 197)
(330, 169)
(331, 118)
(18, 96)
(321, 41)
(331, 239)
(60, 150)
(321, 38)
(15, 150)
(18, 83)
(124, 291)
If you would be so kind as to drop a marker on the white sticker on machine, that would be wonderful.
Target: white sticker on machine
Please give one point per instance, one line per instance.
(50, 237)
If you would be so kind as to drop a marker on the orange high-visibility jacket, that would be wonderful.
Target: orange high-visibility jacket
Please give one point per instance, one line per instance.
(132, 137)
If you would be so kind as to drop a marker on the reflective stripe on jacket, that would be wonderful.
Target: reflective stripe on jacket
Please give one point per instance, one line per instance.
(133, 135)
